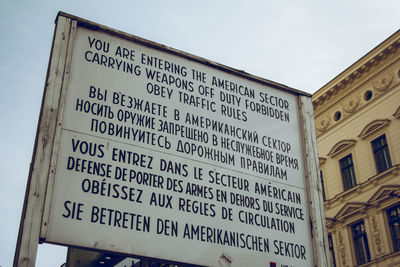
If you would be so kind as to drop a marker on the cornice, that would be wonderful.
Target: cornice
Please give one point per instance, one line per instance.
(350, 84)
(371, 182)
(357, 74)
(350, 210)
(372, 127)
(326, 120)
(341, 146)
(397, 113)
(385, 192)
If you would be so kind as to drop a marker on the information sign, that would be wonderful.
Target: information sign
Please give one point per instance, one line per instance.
(165, 155)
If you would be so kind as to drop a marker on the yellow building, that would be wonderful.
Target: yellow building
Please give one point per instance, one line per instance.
(357, 118)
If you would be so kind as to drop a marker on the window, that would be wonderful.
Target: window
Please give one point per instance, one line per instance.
(368, 95)
(337, 115)
(394, 225)
(331, 251)
(360, 243)
(381, 153)
(348, 175)
(322, 185)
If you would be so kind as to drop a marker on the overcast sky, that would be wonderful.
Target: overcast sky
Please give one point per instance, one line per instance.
(302, 44)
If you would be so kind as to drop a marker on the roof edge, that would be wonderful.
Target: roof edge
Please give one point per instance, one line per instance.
(357, 67)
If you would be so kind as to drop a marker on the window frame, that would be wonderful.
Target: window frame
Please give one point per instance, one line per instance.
(395, 243)
(360, 252)
(384, 153)
(344, 175)
(331, 250)
(321, 176)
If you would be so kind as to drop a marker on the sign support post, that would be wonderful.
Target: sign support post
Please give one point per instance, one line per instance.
(40, 169)
(314, 191)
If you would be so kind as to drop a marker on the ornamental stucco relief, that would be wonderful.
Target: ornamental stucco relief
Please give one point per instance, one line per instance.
(323, 124)
(352, 104)
(384, 82)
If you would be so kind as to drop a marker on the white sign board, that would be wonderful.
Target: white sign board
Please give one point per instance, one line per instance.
(162, 156)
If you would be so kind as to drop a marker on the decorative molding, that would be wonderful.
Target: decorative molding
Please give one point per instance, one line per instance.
(385, 192)
(346, 86)
(376, 235)
(383, 83)
(357, 75)
(371, 181)
(323, 124)
(397, 113)
(342, 249)
(330, 222)
(349, 209)
(341, 146)
(351, 104)
(373, 127)
(322, 160)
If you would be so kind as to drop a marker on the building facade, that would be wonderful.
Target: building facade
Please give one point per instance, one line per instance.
(357, 119)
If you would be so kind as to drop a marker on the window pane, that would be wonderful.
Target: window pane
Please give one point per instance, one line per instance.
(360, 243)
(348, 175)
(323, 186)
(396, 235)
(381, 153)
(394, 225)
(331, 251)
